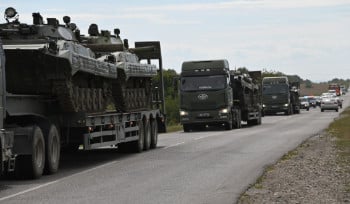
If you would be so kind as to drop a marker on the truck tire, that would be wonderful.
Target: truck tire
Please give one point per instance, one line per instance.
(237, 121)
(186, 127)
(322, 110)
(228, 126)
(147, 136)
(154, 134)
(137, 146)
(32, 166)
(259, 120)
(52, 153)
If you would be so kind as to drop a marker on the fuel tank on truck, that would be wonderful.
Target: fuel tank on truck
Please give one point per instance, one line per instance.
(49, 59)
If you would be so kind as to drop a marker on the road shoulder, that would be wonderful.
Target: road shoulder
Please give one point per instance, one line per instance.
(315, 172)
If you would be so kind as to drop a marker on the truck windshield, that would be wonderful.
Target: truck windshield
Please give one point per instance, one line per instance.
(198, 83)
(275, 88)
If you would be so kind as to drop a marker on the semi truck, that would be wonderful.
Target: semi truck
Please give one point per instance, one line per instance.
(213, 95)
(336, 88)
(57, 95)
(280, 95)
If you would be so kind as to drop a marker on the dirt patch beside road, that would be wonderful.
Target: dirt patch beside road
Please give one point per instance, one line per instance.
(313, 173)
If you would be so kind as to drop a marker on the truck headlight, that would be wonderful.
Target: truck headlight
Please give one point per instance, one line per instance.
(286, 105)
(183, 113)
(264, 105)
(224, 111)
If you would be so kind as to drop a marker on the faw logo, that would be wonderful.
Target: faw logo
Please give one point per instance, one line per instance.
(202, 97)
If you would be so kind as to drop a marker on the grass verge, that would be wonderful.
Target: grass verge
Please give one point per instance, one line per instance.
(174, 128)
(340, 128)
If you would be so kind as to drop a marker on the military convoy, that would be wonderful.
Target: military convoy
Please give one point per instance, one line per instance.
(63, 90)
(212, 94)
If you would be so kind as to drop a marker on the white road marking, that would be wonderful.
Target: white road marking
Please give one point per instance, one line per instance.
(177, 144)
(56, 181)
(86, 171)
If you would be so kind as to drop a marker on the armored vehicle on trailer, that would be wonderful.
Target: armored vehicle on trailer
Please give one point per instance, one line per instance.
(54, 91)
(132, 90)
(49, 60)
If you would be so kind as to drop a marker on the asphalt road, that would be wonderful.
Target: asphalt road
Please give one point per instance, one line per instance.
(212, 166)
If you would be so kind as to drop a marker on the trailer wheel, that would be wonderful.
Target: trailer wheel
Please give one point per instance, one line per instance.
(32, 166)
(137, 146)
(154, 134)
(53, 146)
(147, 136)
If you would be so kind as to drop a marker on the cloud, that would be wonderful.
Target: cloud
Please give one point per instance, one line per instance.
(252, 4)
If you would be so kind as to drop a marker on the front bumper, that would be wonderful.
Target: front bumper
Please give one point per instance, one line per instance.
(275, 108)
(205, 117)
(329, 106)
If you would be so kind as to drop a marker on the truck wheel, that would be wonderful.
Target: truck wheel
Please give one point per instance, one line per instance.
(186, 127)
(154, 134)
(288, 112)
(32, 166)
(336, 110)
(147, 137)
(53, 146)
(228, 126)
(138, 145)
(259, 120)
(322, 110)
(308, 109)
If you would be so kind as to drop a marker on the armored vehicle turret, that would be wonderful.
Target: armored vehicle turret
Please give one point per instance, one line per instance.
(54, 63)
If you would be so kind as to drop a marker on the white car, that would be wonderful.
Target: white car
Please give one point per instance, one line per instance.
(329, 103)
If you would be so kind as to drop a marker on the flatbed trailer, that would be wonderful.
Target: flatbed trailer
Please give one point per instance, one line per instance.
(113, 129)
(33, 130)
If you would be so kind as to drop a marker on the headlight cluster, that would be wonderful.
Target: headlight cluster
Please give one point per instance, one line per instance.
(223, 111)
(183, 113)
(286, 105)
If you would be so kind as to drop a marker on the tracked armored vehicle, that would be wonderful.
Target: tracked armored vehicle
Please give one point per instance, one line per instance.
(132, 91)
(47, 59)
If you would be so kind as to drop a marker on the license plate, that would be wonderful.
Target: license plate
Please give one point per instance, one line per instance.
(204, 115)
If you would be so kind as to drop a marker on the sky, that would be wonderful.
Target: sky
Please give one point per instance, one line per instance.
(309, 38)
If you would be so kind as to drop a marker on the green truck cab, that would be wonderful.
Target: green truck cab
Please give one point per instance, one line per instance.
(212, 95)
(205, 94)
(280, 95)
